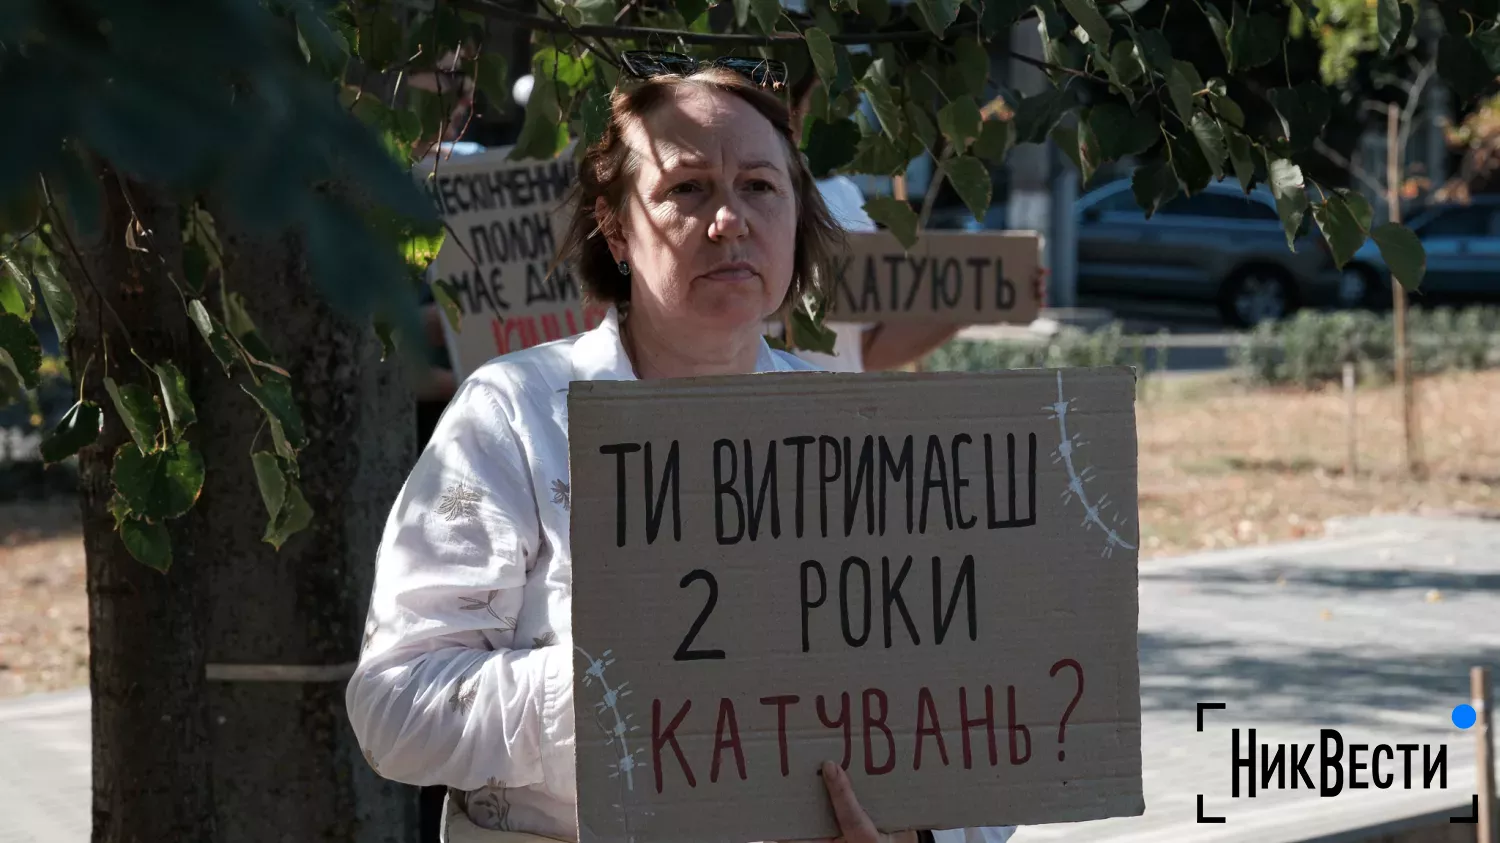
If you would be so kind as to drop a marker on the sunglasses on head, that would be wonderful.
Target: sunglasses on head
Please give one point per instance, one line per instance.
(645, 64)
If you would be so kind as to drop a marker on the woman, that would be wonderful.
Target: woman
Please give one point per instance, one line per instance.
(686, 208)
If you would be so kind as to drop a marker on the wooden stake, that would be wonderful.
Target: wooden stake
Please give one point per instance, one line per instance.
(1398, 293)
(1484, 754)
(1351, 413)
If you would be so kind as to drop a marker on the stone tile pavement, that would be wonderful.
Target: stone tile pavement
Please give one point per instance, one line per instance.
(1370, 630)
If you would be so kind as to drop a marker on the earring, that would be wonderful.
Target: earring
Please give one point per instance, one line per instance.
(623, 267)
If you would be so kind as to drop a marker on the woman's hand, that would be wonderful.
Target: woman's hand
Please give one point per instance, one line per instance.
(854, 824)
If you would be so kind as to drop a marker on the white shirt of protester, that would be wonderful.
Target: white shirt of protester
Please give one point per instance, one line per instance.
(847, 204)
(466, 674)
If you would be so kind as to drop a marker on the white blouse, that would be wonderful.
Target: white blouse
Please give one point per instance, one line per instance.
(466, 674)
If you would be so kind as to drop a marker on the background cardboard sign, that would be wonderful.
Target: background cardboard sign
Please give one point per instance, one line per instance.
(507, 220)
(948, 276)
(930, 578)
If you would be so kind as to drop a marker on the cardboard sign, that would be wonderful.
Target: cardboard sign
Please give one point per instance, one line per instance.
(948, 276)
(930, 579)
(506, 220)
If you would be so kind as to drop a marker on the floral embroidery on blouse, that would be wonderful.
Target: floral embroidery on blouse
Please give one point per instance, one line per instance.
(546, 639)
(463, 698)
(458, 501)
(562, 494)
(488, 808)
(487, 605)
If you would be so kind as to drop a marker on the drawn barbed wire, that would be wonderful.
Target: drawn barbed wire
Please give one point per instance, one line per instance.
(609, 701)
(1094, 511)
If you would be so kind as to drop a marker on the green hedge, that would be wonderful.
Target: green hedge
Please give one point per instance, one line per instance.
(1310, 348)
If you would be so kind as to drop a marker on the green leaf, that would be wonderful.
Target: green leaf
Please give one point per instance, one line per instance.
(1240, 155)
(599, 12)
(820, 47)
(118, 508)
(1226, 107)
(995, 140)
(1154, 185)
(1122, 132)
(938, 14)
(137, 408)
(1220, 28)
(883, 100)
(213, 334)
(1308, 10)
(895, 215)
(1181, 91)
(149, 543)
(1190, 164)
(16, 295)
(20, 343)
(1211, 140)
(58, 297)
(1153, 50)
(691, 10)
(960, 122)
(973, 63)
(1089, 156)
(159, 485)
(443, 294)
(544, 133)
(830, 146)
(999, 15)
(1125, 63)
(1463, 67)
(924, 133)
(767, 13)
(1066, 138)
(1402, 252)
(809, 331)
(1036, 115)
(380, 39)
(741, 13)
(1394, 20)
(1088, 17)
(1345, 224)
(77, 429)
(877, 156)
(174, 392)
(271, 481)
(1291, 199)
(274, 394)
(1304, 111)
(491, 78)
(294, 517)
(971, 180)
(1254, 40)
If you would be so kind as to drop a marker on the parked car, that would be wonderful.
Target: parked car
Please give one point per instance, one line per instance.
(1463, 255)
(1219, 245)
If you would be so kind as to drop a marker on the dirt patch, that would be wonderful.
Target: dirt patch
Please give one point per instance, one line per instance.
(1221, 466)
(43, 599)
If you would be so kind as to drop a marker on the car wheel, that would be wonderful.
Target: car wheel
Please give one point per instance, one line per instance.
(1257, 294)
(1361, 287)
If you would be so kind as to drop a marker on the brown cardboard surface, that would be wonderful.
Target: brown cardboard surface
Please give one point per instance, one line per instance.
(948, 276)
(687, 592)
(506, 221)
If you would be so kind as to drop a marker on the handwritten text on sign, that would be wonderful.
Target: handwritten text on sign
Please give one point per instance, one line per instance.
(918, 577)
(953, 276)
(506, 220)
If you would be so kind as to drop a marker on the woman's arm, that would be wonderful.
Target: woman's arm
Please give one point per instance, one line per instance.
(444, 693)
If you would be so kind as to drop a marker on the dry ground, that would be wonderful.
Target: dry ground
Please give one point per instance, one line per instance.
(1220, 466)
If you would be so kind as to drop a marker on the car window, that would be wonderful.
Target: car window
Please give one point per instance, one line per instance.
(1458, 222)
(1218, 205)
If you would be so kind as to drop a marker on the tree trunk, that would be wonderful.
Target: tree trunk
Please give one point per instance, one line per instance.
(177, 755)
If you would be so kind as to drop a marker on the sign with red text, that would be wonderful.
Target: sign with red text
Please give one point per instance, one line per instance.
(927, 578)
(971, 278)
(506, 220)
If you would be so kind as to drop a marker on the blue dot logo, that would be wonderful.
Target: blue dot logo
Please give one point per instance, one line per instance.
(1464, 716)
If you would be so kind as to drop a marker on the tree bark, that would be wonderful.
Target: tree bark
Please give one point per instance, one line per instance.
(178, 756)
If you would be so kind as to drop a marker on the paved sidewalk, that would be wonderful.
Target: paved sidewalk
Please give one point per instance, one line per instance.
(1371, 630)
(44, 768)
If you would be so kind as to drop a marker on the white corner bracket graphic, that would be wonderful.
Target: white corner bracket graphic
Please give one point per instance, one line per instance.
(1067, 449)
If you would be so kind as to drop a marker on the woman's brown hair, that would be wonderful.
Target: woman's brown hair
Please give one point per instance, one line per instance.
(608, 165)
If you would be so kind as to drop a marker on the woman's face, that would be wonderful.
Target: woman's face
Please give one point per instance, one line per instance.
(710, 223)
